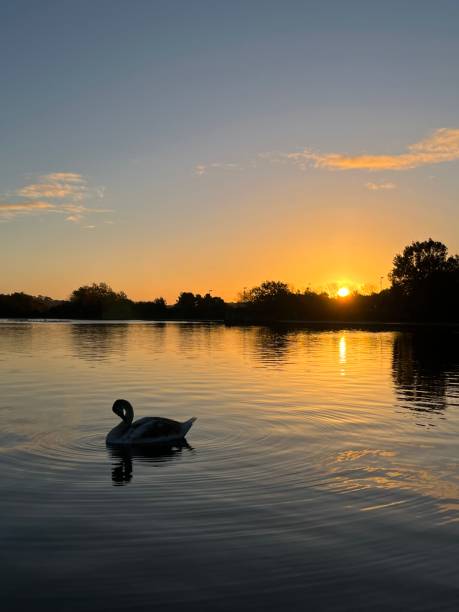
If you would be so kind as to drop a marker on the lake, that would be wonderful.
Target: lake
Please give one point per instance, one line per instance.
(321, 474)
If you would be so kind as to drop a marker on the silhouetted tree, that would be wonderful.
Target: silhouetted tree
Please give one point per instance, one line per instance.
(210, 307)
(99, 301)
(271, 299)
(190, 306)
(157, 309)
(268, 291)
(186, 304)
(420, 263)
(21, 304)
(426, 280)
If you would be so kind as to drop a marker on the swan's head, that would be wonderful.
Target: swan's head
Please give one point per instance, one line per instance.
(124, 410)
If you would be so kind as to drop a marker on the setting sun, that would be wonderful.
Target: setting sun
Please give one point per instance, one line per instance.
(343, 292)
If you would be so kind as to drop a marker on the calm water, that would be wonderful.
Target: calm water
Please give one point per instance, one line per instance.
(322, 472)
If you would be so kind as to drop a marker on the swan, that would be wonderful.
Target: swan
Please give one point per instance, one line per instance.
(149, 430)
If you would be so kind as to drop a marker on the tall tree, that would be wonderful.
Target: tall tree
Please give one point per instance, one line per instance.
(426, 280)
(422, 265)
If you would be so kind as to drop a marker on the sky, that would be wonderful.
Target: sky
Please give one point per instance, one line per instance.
(167, 146)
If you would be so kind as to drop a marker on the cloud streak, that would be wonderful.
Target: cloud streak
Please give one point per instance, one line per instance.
(9, 210)
(57, 185)
(441, 146)
(202, 169)
(62, 193)
(380, 186)
(75, 213)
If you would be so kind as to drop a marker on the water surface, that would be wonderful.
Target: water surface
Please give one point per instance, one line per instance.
(322, 472)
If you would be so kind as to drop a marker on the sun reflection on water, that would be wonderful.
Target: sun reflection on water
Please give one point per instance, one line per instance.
(342, 355)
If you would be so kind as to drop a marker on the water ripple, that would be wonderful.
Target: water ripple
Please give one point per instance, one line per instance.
(306, 475)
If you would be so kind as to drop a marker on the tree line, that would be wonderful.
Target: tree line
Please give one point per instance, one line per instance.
(424, 287)
(100, 301)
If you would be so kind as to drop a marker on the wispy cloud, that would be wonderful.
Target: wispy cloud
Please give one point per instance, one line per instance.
(202, 169)
(57, 185)
(67, 177)
(9, 210)
(64, 193)
(74, 213)
(379, 186)
(74, 218)
(441, 146)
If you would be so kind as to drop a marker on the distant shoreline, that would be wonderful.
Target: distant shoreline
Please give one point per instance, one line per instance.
(282, 323)
(333, 324)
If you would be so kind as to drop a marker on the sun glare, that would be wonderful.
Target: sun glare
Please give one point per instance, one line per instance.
(343, 292)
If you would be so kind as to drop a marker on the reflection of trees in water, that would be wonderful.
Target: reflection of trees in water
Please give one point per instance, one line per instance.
(271, 345)
(148, 338)
(98, 342)
(423, 366)
(123, 459)
(16, 338)
(195, 339)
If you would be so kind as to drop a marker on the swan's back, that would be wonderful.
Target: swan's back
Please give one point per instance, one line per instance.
(149, 430)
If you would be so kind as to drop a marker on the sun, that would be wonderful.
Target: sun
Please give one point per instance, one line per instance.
(343, 292)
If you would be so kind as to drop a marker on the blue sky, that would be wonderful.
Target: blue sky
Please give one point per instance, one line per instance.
(185, 126)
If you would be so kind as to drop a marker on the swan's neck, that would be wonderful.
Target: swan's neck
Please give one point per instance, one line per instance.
(118, 431)
(128, 414)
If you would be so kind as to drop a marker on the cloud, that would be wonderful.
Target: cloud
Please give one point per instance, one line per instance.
(441, 146)
(75, 213)
(201, 169)
(58, 192)
(378, 186)
(9, 210)
(74, 218)
(67, 177)
(57, 185)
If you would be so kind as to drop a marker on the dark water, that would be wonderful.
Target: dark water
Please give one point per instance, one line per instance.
(322, 473)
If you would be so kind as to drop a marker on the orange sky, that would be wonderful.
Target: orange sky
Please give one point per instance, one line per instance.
(213, 150)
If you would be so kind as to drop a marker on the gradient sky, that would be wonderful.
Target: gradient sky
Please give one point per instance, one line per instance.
(171, 145)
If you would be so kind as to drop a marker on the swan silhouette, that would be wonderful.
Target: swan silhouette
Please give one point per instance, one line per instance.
(148, 430)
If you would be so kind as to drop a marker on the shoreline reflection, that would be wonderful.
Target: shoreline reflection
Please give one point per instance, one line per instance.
(423, 368)
(99, 342)
(271, 345)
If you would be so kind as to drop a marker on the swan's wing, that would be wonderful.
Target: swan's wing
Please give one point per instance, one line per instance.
(155, 427)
